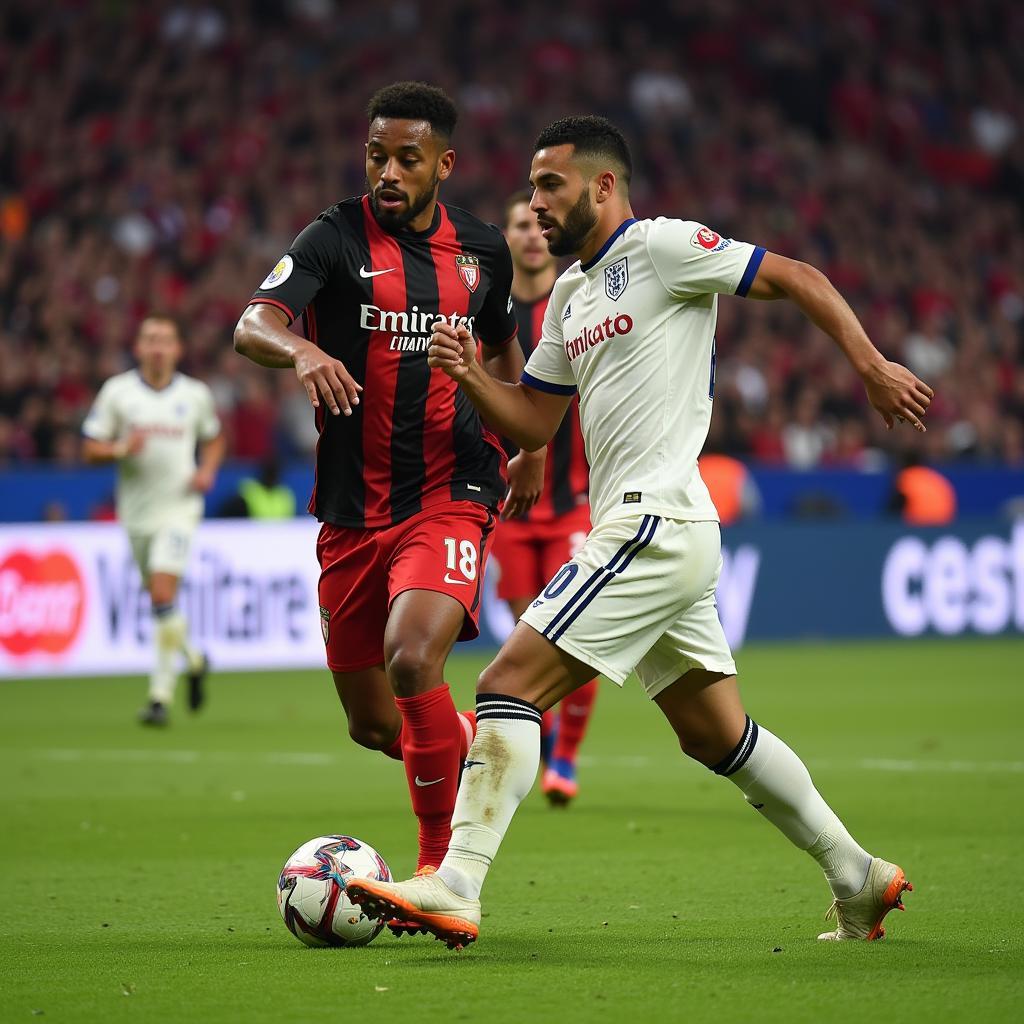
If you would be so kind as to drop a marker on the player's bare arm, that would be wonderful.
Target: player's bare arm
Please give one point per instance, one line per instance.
(891, 388)
(97, 453)
(527, 417)
(211, 455)
(262, 335)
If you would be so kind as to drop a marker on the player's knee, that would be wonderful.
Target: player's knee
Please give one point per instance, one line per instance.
(499, 677)
(703, 745)
(411, 669)
(370, 734)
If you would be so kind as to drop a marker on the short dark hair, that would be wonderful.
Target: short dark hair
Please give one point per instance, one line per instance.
(163, 317)
(415, 101)
(589, 136)
(524, 195)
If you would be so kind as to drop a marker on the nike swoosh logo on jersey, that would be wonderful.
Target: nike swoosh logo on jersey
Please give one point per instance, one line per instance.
(432, 782)
(461, 583)
(363, 272)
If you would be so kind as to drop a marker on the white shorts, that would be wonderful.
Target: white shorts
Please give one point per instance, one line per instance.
(640, 594)
(164, 550)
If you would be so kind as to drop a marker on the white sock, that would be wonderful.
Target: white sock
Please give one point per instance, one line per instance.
(499, 771)
(168, 636)
(776, 783)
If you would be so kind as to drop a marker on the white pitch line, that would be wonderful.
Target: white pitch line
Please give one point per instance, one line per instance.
(947, 767)
(306, 758)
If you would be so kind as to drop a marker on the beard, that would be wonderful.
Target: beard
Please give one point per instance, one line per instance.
(393, 221)
(579, 222)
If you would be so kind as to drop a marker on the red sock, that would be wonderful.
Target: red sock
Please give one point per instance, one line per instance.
(547, 723)
(431, 738)
(573, 716)
(468, 732)
(395, 749)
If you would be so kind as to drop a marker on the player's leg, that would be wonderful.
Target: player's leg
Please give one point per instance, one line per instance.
(422, 629)
(353, 616)
(436, 564)
(529, 675)
(566, 537)
(595, 604)
(373, 720)
(519, 553)
(691, 677)
(166, 563)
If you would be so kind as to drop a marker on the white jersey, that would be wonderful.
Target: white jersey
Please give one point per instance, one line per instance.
(153, 486)
(633, 331)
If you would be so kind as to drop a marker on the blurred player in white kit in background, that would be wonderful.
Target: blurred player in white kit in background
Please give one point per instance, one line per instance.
(149, 421)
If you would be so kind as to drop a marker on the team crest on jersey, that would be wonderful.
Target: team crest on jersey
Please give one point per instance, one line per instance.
(469, 270)
(709, 241)
(325, 623)
(616, 277)
(280, 273)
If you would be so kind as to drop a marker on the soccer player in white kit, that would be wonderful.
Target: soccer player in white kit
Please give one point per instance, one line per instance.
(631, 327)
(149, 421)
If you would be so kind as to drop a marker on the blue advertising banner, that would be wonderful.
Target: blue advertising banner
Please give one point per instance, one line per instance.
(794, 581)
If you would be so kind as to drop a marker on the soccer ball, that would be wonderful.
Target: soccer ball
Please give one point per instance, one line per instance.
(311, 891)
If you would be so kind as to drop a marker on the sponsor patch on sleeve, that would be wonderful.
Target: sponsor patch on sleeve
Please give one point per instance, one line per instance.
(632, 497)
(709, 241)
(279, 274)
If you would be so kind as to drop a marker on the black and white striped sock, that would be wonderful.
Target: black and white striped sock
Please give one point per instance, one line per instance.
(498, 773)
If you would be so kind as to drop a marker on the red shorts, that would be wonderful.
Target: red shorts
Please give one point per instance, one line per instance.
(529, 554)
(444, 548)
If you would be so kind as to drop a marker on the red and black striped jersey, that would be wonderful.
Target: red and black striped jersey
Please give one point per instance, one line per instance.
(566, 473)
(369, 298)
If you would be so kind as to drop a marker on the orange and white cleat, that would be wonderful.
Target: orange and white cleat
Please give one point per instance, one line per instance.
(399, 928)
(860, 917)
(424, 901)
(559, 784)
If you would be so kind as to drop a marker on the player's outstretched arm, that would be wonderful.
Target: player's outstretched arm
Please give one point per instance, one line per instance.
(97, 453)
(527, 417)
(262, 335)
(892, 389)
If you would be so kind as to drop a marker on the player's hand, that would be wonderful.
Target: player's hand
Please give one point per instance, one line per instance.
(897, 394)
(452, 349)
(325, 379)
(525, 483)
(132, 444)
(202, 481)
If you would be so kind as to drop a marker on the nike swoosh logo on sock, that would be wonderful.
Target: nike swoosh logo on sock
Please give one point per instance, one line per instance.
(432, 782)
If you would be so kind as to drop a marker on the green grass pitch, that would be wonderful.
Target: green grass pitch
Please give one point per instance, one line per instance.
(140, 866)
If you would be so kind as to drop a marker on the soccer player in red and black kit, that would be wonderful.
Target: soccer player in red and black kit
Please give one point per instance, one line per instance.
(531, 545)
(408, 480)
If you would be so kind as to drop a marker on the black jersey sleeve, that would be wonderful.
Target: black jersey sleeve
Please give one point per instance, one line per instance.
(303, 270)
(496, 322)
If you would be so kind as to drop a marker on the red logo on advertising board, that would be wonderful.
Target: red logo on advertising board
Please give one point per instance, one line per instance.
(42, 602)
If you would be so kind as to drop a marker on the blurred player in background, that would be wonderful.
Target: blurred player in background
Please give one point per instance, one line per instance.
(631, 329)
(531, 545)
(408, 480)
(149, 422)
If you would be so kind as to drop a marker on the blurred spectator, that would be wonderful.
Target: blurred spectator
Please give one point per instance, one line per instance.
(165, 154)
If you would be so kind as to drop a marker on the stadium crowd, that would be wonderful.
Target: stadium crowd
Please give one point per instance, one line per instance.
(164, 155)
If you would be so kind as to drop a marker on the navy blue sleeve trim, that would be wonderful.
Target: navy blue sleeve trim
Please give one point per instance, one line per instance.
(751, 272)
(543, 385)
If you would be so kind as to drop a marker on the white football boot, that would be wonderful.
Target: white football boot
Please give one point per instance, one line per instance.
(860, 916)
